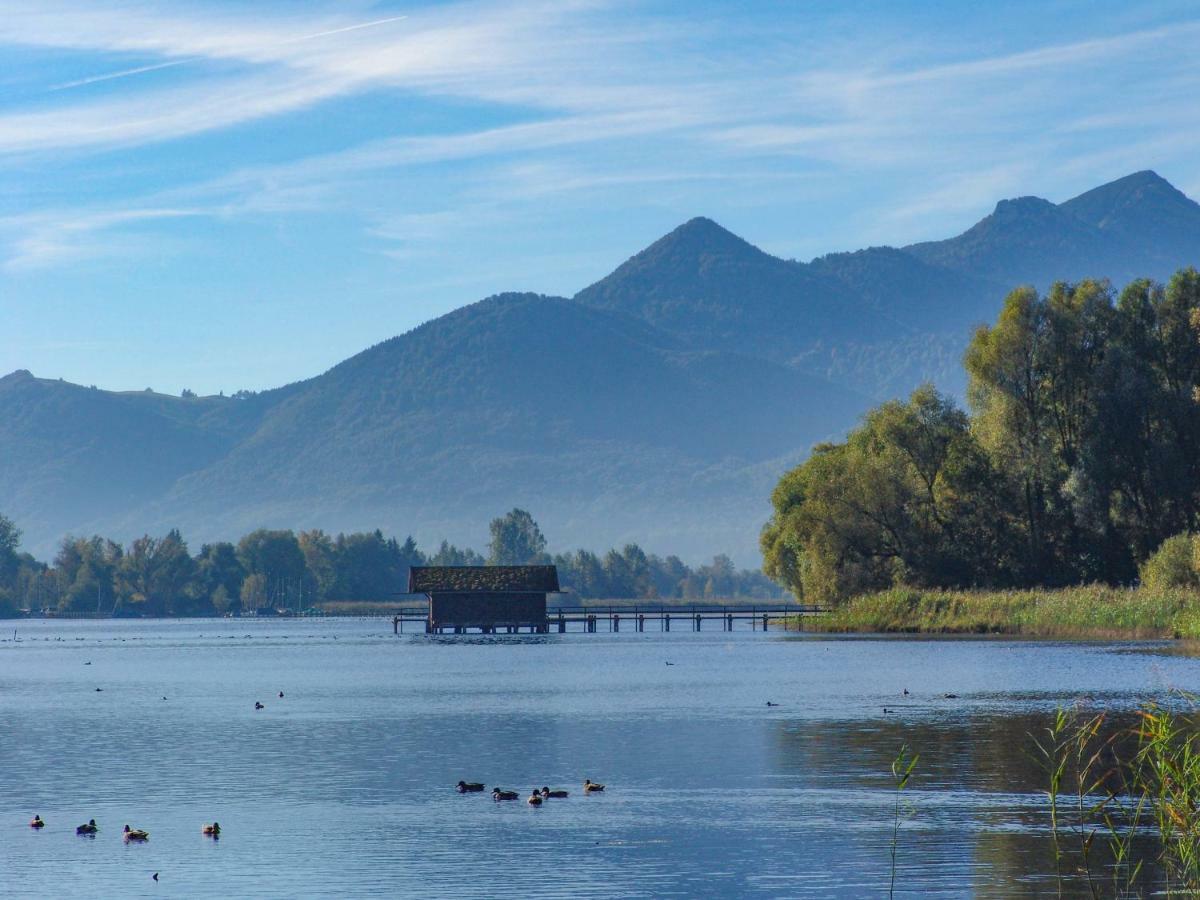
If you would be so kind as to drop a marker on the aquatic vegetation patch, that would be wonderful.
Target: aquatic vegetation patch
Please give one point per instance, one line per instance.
(1090, 611)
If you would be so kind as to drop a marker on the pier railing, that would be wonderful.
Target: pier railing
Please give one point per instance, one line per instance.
(593, 618)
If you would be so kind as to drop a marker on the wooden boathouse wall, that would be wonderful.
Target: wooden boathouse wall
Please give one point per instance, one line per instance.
(489, 598)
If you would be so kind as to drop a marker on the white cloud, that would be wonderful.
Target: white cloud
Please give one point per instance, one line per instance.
(51, 239)
(565, 79)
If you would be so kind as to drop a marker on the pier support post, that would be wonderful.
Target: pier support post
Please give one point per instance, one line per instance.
(764, 621)
(616, 622)
(667, 622)
(396, 625)
(698, 621)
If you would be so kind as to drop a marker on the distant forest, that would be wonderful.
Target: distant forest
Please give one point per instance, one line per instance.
(158, 576)
(1080, 457)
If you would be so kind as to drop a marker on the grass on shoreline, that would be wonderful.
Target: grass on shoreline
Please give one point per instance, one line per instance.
(1091, 611)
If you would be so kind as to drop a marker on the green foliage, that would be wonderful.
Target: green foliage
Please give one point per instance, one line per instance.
(86, 572)
(156, 576)
(516, 540)
(1173, 564)
(1090, 611)
(449, 555)
(1148, 798)
(908, 497)
(368, 566)
(219, 574)
(631, 573)
(1081, 455)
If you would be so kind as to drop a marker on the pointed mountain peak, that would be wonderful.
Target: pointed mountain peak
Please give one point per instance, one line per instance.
(1144, 178)
(701, 236)
(1134, 201)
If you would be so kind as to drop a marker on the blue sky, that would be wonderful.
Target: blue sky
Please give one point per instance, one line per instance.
(237, 195)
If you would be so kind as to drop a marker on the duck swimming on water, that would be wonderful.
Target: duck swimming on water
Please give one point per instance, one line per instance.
(590, 787)
(90, 828)
(498, 794)
(558, 795)
(468, 787)
(535, 799)
(213, 830)
(36, 822)
(136, 834)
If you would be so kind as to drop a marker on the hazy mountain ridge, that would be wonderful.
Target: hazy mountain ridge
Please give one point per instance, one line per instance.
(1137, 226)
(659, 404)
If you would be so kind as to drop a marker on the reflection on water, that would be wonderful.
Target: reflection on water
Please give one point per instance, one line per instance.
(344, 786)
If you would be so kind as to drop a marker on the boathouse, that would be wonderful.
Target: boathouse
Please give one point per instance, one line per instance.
(490, 598)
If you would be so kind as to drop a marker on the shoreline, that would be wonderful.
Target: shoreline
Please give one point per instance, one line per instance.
(1091, 612)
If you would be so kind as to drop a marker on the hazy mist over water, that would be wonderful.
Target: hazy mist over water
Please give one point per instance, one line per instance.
(345, 786)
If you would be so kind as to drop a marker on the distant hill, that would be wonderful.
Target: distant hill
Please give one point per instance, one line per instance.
(657, 405)
(581, 414)
(1135, 227)
(713, 289)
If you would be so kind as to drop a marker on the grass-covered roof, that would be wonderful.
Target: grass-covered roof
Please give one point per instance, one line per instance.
(462, 579)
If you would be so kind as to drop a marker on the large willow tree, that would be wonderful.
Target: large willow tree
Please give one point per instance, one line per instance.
(1081, 454)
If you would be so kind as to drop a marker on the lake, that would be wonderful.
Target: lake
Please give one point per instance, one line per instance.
(345, 786)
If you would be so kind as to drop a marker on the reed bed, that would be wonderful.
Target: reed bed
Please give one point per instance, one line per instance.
(1090, 611)
(1124, 802)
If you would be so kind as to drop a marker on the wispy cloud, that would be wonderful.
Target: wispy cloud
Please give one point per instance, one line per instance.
(504, 54)
(47, 239)
(562, 79)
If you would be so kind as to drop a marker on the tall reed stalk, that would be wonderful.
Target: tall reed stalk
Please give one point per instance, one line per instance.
(1154, 795)
(902, 769)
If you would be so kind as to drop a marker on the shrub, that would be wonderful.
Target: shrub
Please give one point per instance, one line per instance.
(1173, 564)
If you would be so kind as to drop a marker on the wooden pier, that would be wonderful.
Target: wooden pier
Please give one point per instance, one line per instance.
(614, 618)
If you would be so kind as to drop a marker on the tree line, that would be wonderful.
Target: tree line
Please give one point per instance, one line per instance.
(158, 576)
(1079, 456)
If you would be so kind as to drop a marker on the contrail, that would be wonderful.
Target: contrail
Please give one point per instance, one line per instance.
(122, 74)
(309, 37)
(125, 73)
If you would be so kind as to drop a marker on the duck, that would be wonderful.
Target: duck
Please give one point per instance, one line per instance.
(558, 795)
(468, 787)
(590, 787)
(258, 705)
(213, 830)
(135, 834)
(36, 822)
(90, 828)
(498, 794)
(535, 799)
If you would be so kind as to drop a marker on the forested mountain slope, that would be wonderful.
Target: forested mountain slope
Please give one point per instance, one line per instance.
(659, 404)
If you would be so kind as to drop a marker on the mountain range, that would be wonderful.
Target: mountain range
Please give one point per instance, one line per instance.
(657, 405)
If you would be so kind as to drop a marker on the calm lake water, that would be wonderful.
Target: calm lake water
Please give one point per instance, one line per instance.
(345, 786)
